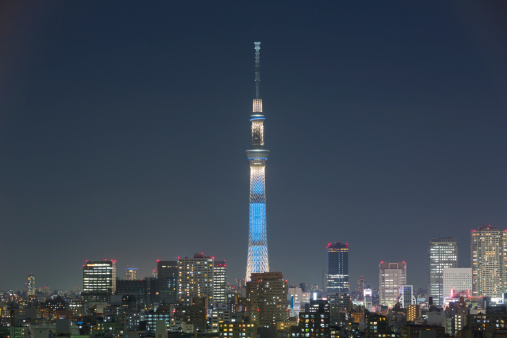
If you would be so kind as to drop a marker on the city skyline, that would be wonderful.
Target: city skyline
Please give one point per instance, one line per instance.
(124, 130)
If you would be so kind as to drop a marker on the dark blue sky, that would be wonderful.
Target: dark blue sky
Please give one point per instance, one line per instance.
(123, 126)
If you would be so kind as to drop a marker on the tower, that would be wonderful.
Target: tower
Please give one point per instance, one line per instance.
(257, 156)
(338, 268)
(443, 253)
(489, 268)
(391, 277)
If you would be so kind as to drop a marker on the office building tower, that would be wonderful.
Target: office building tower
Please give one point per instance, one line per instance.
(406, 296)
(489, 266)
(30, 285)
(266, 295)
(99, 280)
(167, 272)
(338, 268)
(257, 261)
(443, 253)
(391, 277)
(219, 283)
(457, 281)
(130, 273)
(195, 278)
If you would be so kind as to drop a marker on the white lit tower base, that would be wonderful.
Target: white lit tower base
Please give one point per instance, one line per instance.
(257, 157)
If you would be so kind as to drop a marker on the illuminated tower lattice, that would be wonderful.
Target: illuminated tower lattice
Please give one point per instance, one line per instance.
(257, 158)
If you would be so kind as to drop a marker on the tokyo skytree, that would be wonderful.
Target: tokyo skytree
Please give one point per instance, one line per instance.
(257, 157)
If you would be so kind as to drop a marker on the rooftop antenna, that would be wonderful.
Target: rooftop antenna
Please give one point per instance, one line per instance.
(257, 68)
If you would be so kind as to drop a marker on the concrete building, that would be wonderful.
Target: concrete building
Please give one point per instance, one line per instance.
(391, 277)
(443, 253)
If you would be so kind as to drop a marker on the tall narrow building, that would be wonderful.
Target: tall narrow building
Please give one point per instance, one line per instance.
(257, 156)
(443, 253)
(489, 266)
(338, 268)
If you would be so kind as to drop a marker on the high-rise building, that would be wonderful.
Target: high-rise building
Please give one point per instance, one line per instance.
(266, 299)
(195, 278)
(167, 272)
(130, 273)
(338, 268)
(457, 280)
(489, 266)
(219, 283)
(391, 277)
(257, 156)
(30, 285)
(443, 253)
(99, 280)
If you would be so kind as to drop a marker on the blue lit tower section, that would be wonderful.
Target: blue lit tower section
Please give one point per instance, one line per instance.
(257, 157)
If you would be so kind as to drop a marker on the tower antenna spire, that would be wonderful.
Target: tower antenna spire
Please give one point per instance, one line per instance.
(257, 68)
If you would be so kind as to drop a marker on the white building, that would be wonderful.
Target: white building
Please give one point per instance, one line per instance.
(457, 280)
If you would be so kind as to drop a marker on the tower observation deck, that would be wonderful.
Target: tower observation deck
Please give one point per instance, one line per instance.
(257, 157)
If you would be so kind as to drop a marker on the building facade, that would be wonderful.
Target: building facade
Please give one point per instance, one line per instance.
(391, 277)
(195, 278)
(457, 280)
(338, 268)
(489, 266)
(443, 253)
(257, 155)
(266, 299)
(99, 280)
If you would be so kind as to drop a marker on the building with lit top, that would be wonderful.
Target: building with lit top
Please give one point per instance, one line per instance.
(130, 273)
(195, 278)
(219, 283)
(99, 280)
(391, 277)
(266, 299)
(489, 266)
(443, 253)
(457, 281)
(338, 268)
(257, 155)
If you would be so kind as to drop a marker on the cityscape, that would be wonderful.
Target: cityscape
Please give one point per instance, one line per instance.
(125, 209)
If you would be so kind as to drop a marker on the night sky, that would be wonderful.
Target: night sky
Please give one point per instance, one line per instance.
(124, 124)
